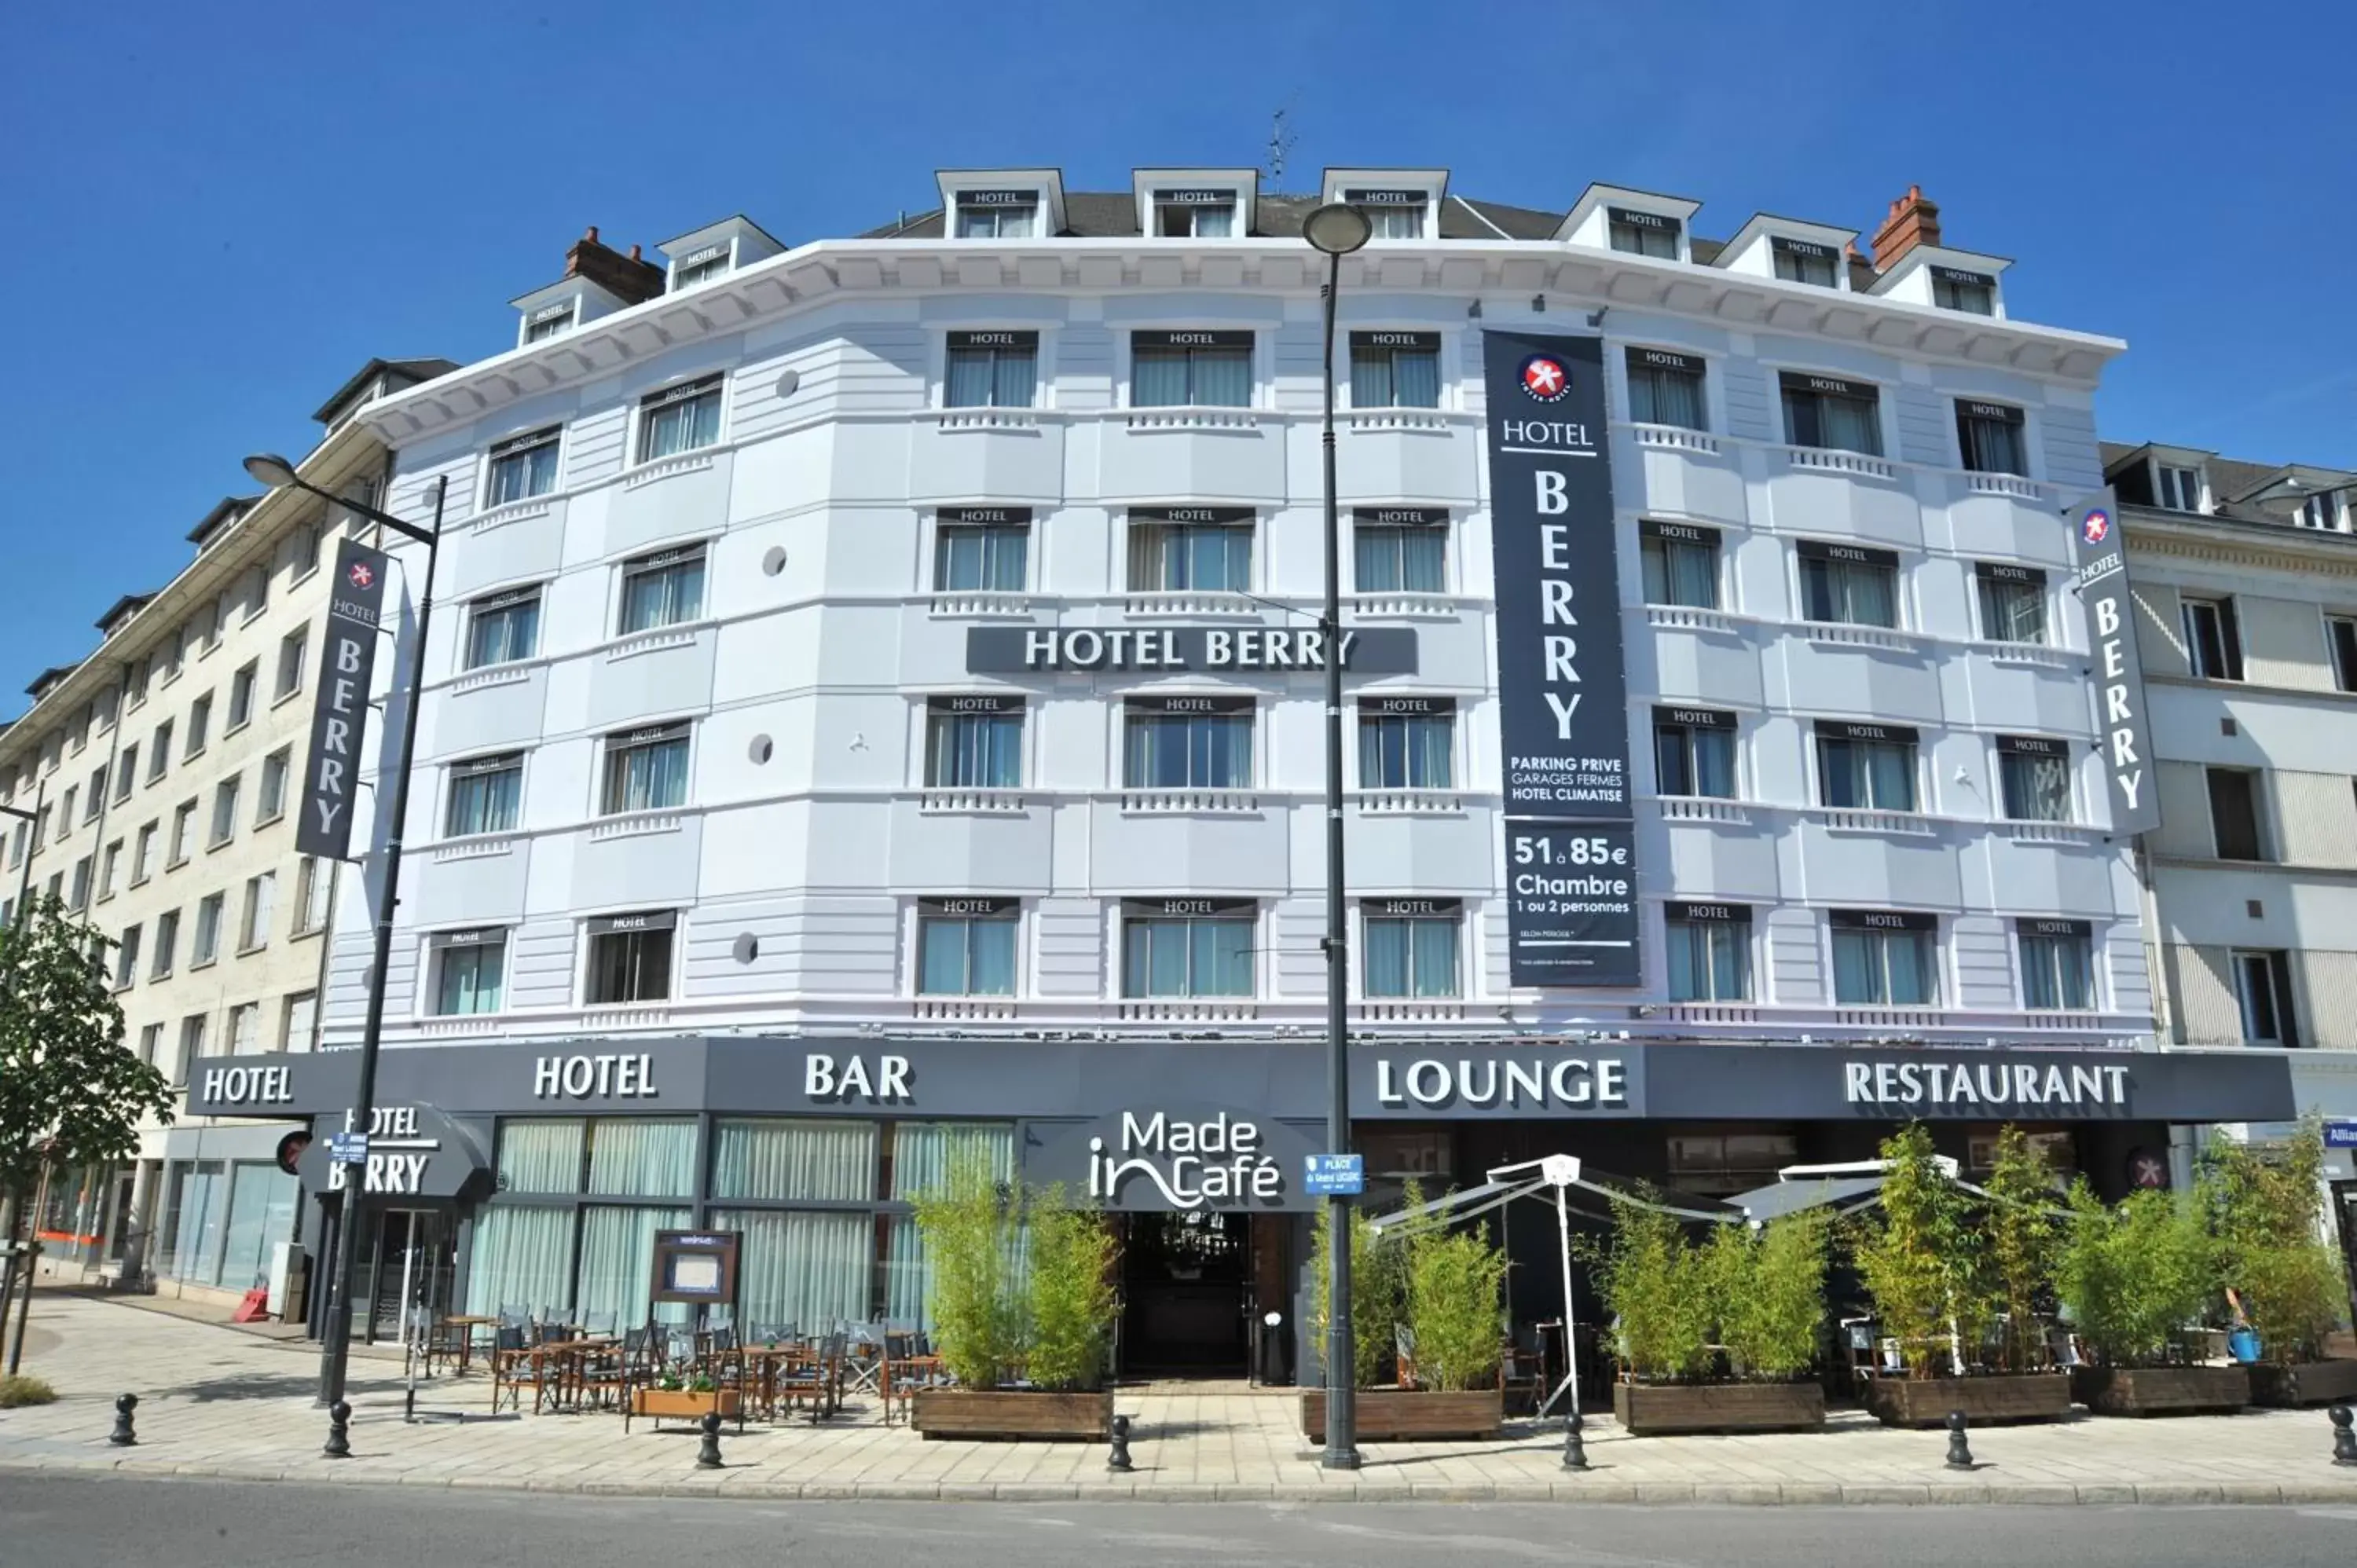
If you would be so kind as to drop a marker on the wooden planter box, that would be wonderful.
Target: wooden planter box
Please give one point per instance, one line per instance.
(683, 1404)
(1654, 1409)
(1014, 1413)
(1404, 1414)
(1926, 1401)
(2161, 1391)
(2303, 1383)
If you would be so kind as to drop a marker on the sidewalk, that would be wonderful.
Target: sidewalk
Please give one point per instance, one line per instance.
(222, 1404)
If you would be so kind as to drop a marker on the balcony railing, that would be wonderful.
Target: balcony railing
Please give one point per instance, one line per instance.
(963, 1009)
(949, 802)
(1704, 808)
(1189, 1010)
(989, 419)
(1675, 439)
(1401, 1011)
(1825, 461)
(1686, 617)
(1411, 802)
(636, 824)
(980, 604)
(1365, 419)
(1173, 602)
(665, 468)
(1845, 820)
(1151, 419)
(1190, 802)
(2005, 485)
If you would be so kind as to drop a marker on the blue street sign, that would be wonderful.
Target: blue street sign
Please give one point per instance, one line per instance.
(1335, 1176)
(347, 1148)
(2341, 1134)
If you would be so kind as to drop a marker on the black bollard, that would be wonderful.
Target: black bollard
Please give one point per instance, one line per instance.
(339, 1431)
(707, 1455)
(1960, 1455)
(2344, 1442)
(124, 1437)
(1119, 1458)
(1575, 1451)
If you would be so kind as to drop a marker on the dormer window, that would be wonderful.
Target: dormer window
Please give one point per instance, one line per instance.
(1805, 261)
(998, 214)
(1953, 288)
(1642, 233)
(1195, 214)
(1395, 212)
(550, 320)
(2317, 510)
(702, 266)
(2179, 489)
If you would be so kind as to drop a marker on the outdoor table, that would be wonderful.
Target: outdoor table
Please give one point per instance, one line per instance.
(760, 1364)
(467, 1324)
(558, 1368)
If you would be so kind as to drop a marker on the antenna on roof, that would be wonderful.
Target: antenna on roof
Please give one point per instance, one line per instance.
(1280, 141)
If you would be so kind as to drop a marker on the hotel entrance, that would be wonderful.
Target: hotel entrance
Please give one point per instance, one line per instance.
(1194, 1288)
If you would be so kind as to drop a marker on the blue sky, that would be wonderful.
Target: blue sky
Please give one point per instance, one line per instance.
(216, 221)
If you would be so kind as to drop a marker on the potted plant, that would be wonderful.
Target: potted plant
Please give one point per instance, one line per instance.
(680, 1392)
(1762, 1290)
(2282, 1276)
(1922, 1255)
(1431, 1302)
(1052, 1320)
(2134, 1277)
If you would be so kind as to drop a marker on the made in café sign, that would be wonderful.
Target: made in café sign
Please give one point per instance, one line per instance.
(1178, 1160)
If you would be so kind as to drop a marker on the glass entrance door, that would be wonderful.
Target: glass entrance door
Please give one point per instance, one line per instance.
(1186, 1295)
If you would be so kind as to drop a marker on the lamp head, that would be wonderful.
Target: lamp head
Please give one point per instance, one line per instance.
(1338, 228)
(270, 468)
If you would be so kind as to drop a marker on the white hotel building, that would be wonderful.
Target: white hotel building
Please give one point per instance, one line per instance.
(730, 766)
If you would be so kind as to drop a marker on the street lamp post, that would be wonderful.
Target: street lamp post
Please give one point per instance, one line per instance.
(344, 1273)
(1337, 229)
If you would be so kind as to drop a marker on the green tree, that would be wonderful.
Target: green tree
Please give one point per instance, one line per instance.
(2267, 1208)
(2019, 1226)
(1378, 1289)
(70, 1096)
(1456, 1287)
(1656, 1285)
(1070, 1291)
(1768, 1290)
(2135, 1275)
(972, 1231)
(1920, 1254)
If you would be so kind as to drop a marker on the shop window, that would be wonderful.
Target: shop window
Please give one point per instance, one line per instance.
(784, 1161)
(1188, 947)
(1394, 1155)
(1716, 1165)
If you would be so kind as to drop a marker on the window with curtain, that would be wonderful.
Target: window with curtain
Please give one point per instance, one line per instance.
(1666, 388)
(965, 947)
(522, 467)
(2058, 965)
(783, 1161)
(1411, 955)
(998, 215)
(1693, 752)
(680, 419)
(979, 557)
(637, 1157)
(1971, 292)
(992, 370)
(503, 628)
(1642, 233)
(1803, 261)
(1406, 749)
(1679, 563)
(1849, 584)
(1166, 554)
(551, 323)
(1400, 550)
(1708, 948)
(486, 795)
(1884, 961)
(541, 1155)
(1191, 370)
(923, 1153)
(1395, 369)
(617, 1255)
(1866, 767)
(646, 770)
(662, 590)
(470, 972)
(2012, 603)
(1167, 952)
(973, 743)
(800, 1271)
(1831, 414)
(1209, 747)
(1989, 438)
(1195, 214)
(521, 1258)
(2036, 778)
(1392, 214)
(629, 958)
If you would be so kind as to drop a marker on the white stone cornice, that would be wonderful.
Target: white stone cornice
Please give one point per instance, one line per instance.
(825, 268)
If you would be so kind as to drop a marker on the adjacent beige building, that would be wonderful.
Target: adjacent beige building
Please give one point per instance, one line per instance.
(163, 769)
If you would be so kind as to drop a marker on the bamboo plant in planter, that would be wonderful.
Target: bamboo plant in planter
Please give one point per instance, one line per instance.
(2269, 1213)
(2134, 1277)
(1762, 1290)
(1926, 1257)
(1051, 1318)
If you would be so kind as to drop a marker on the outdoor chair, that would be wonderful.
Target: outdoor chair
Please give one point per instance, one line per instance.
(598, 1325)
(814, 1379)
(511, 1365)
(908, 1366)
(1403, 1351)
(610, 1374)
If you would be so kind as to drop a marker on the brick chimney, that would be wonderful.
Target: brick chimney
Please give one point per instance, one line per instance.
(626, 278)
(1913, 221)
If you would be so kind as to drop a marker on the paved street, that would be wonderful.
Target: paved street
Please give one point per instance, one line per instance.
(223, 1403)
(130, 1522)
